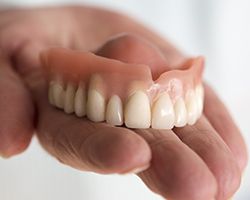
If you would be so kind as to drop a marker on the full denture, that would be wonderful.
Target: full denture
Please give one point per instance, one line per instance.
(105, 89)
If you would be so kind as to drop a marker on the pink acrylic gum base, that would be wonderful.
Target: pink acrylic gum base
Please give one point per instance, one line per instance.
(121, 78)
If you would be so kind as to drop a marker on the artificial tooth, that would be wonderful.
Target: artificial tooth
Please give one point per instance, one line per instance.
(137, 111)
(57, 93)
(163, 116)
(199, 91)
(192, 109)
(80, 101)
(180, 113)
(96, 101)
(114, 112)
(69, 98)
(50, 93)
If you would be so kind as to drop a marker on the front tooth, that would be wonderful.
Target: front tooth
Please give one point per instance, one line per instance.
(80, 101)
(96, 101)
(199, 91)
(137, 111)
(163, 116)
(57, 93)
(69, 98)
(192, 109)
(95, 106)
(114, 113)
(180, 113)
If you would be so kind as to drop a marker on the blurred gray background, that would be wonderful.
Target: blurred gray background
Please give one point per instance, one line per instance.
(218, 29)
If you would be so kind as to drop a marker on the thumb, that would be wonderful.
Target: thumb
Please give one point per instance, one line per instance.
(16, 116)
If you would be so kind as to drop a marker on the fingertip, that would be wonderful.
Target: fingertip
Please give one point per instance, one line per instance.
(117, 151)
(193, 182)
(176, 172)
(229, 179)
(14, 146)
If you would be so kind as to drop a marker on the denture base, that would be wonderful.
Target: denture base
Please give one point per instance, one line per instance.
(123, 94)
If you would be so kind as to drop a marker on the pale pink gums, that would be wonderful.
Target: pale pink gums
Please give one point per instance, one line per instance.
(119, 78)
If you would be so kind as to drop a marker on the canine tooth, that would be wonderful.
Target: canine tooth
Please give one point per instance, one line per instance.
(96, 102)
(80, 101)
(163, 116)
(137, 111)
(114, 113)
(180, 113)
(69, 98)
(192, 109)
(199, 91)
(57, 93)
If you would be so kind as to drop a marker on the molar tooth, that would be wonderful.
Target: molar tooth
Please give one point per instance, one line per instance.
(50, 93)
(137, 111)
(180, 113)
(163, 116)
(199, 91)
(57, 92)
(192, 109)
(69, 98)
(114, 113)
(80, 101)
(96, 101)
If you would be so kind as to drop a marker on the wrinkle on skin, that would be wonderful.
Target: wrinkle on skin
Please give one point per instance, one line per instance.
(225, 160)
(16, 127)
(175, 169)
(83, 38)
(206, 142)
(230, 133)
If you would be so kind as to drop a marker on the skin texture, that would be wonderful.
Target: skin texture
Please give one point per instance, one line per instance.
(204, 161)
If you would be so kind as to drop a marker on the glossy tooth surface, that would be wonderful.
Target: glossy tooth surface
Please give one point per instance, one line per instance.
(96, 104)
(199, 91)
(180, 113)
(137, 111)
(192, 109)
(163, 115)
(69, 98)
(80, 101)
(57, 93)
(114, 112)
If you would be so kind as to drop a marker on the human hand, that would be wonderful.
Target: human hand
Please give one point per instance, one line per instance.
(185, 163)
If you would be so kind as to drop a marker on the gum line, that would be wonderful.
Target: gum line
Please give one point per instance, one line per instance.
(119, 93)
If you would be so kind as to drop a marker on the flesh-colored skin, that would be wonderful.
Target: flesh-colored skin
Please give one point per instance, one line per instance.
(117, 77)
(203, 161)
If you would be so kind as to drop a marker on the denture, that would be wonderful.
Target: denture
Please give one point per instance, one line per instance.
(105, 89)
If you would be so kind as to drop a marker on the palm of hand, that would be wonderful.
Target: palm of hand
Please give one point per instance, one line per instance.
(211, 153)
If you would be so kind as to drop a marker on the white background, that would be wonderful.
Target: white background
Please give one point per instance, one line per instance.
(218, 29)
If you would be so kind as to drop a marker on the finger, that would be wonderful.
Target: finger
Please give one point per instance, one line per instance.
(223, 123)
(173, 162)
(176, 172)
(76, 141)
(138, 50)
(90, 146)
(16, 116)
(206, 142)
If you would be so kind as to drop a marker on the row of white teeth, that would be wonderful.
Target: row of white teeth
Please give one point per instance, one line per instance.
(137, 112)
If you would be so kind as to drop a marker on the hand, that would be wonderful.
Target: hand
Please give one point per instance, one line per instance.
(203, 161)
